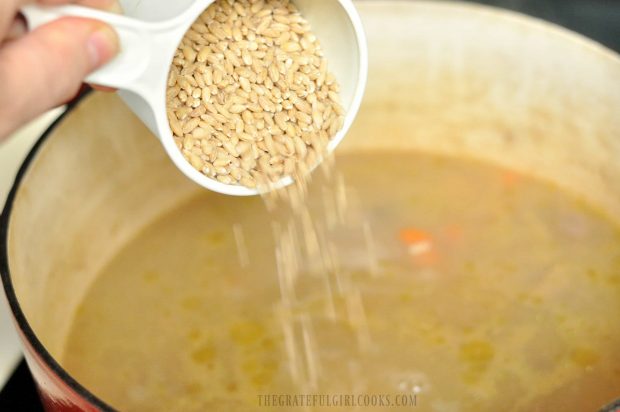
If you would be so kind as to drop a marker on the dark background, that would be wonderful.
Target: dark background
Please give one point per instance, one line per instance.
(597, 19)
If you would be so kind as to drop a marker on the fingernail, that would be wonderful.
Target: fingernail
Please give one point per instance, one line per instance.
(102, 45)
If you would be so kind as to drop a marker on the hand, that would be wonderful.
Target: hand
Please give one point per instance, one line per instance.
(44, 68)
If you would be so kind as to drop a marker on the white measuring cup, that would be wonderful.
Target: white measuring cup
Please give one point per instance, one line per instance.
(151, 32)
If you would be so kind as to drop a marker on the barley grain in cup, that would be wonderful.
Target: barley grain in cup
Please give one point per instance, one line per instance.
(250, 98)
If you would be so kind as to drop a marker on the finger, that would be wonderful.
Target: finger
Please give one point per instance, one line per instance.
(46, 67)
(108, 5)
(9, 10)
(17, 29)
(97, 4)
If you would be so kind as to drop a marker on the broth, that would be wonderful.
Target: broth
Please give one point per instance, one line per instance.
(492, 291)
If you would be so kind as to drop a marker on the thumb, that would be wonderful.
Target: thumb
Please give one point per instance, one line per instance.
(46, 67)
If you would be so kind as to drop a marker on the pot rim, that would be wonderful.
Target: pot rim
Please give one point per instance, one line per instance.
(517, 18)
(19, 317)
(22, 323)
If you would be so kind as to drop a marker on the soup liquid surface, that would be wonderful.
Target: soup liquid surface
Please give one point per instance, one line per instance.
(491, 291)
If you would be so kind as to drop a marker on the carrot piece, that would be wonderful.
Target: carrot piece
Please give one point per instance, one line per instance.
(420, 246)
(510, 178)
(410, 236)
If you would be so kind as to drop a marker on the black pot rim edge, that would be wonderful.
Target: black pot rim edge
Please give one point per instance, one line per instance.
(10, 294)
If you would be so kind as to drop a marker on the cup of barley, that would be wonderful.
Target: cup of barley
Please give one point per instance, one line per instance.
(244, 95)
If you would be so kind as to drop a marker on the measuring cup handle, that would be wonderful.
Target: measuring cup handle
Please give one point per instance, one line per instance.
(133, 58)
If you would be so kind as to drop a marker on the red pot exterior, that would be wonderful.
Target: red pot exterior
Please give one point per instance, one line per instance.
(55, 393)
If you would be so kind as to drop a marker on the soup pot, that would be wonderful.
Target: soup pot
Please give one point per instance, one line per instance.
(448, 78)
